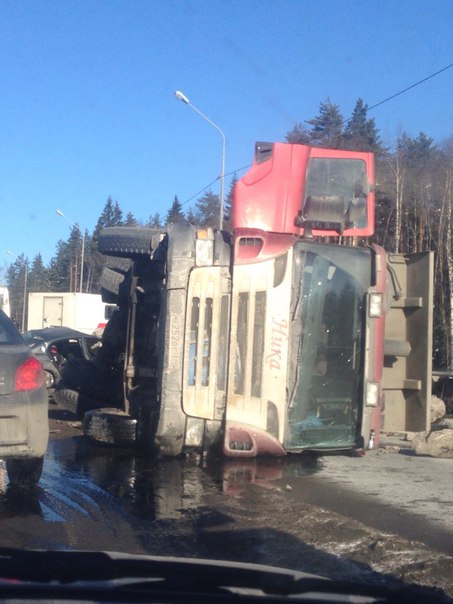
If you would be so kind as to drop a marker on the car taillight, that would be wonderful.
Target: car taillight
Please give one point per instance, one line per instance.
(30, 375)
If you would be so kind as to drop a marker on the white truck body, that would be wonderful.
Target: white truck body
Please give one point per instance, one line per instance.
(4, 300)
(84, 312)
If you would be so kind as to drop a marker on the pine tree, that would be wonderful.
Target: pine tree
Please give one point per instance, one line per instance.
(38, 278)
(207, 210)
(130, 220)
(228, 205)
(193, 218)
(60, 268)
(327, 126)
(111, 215)
(155, 221)
(299, 135)
(175, 213)
(17, 282)
(420, 161)
(361, 133)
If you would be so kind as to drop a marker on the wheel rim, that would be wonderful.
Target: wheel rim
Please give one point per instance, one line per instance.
(50, 380)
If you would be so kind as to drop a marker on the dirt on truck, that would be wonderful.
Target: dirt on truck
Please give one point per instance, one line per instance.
(275, 338)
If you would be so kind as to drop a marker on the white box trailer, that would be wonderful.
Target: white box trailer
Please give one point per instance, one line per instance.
(4, 300)
(84, 312)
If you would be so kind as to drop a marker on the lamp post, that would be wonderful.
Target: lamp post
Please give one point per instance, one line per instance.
(25, 265)
(60, 213)
(182, 97)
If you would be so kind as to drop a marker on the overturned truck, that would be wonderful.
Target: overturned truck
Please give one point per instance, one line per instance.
(274, 338)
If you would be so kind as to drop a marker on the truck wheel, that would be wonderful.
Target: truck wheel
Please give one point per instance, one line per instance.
(108, 297)
(92, 382)
(121, 265)
(74, 401)
(110, 426)
(24, 472)
(115, 286)
(111, 280)
(126, 242)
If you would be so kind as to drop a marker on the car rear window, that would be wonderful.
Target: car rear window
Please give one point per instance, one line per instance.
(32, 340)
(9, 334)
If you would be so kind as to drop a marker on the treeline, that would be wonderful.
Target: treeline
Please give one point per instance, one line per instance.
(64, 274)
(414, 196)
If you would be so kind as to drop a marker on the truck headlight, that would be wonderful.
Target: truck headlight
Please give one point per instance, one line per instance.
(372, 394)
(375, 306)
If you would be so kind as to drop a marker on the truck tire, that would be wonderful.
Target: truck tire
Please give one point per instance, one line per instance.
(110, 426)
(126, 242)
(121, 265)
(111, 280)
(24, 472)
(69, 399)
(92, 382)
(108, 297)
(112, 276)
(74, 401)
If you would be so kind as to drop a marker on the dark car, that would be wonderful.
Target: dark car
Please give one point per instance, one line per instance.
(53, 345)
(24, 428)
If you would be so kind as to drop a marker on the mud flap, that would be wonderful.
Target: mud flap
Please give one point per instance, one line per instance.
(408, 342)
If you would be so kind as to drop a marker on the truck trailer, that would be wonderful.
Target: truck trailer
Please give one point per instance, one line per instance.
(83, 312)
(4, 300)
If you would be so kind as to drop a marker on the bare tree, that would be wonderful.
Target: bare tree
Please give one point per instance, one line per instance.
(444, 264)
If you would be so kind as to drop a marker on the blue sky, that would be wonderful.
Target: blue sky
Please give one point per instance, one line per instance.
(87, 106)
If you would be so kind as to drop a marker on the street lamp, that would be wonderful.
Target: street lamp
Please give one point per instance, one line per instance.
(60, 213)
(182, 97)
(25, 289)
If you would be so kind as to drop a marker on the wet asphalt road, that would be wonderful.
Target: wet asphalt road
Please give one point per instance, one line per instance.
(386, 515)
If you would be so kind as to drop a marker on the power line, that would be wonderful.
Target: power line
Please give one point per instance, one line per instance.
(368, 109)
(212, 182)
(409, 87)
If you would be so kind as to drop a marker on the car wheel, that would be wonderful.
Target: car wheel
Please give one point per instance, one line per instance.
(50, 379)
(24, 472)
(110, 426)
(126, 242)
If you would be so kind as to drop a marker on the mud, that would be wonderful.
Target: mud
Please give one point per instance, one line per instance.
(309, 514)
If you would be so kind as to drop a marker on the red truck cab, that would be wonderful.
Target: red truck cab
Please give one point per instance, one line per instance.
(294, 188)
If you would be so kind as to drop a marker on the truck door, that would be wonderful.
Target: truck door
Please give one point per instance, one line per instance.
(52, 311)
(408, 342)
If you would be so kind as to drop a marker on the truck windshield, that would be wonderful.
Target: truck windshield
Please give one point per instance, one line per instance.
(327, 345)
